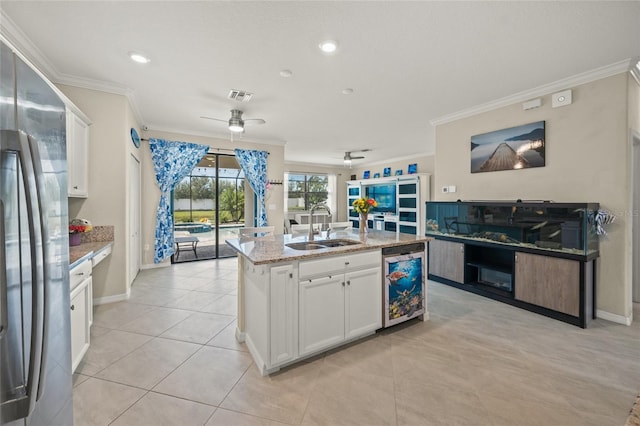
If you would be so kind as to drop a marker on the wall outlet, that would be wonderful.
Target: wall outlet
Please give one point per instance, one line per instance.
(146, 247)
(445, 189)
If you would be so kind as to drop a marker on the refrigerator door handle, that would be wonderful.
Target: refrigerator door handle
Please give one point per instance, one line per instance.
(33, 175)
(4, 319)
(26, 149)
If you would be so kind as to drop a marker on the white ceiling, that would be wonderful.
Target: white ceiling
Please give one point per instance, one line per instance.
(407, 62)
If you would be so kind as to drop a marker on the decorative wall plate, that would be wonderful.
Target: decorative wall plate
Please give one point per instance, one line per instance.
(135, 138)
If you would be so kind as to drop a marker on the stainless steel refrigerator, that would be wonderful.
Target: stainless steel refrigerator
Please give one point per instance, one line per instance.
(35, 348)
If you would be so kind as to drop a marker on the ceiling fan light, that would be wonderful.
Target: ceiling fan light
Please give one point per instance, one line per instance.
(236, 125)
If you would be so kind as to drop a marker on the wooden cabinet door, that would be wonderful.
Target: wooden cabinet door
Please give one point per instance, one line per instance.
(446, 260)
(321, 313)
(363, 302)
(549, 282)
(283, 302)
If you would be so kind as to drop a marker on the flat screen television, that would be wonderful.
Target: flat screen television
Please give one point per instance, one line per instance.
(385, 195)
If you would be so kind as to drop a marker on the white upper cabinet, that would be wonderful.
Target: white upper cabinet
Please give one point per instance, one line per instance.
(77, 155)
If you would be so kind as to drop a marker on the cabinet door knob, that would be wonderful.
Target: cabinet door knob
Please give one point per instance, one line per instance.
(75, 187)
(342, 283)
(290, 275)
(346, 263)
(348, 282)
(73, 307)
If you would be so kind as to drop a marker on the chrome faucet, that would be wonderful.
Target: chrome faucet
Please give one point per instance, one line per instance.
(311, 211)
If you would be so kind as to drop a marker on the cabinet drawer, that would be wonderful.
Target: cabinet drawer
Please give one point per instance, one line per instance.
(339, 264)
(101, 255)
(79, 274)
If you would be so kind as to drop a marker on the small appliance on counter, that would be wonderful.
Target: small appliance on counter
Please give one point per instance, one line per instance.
(404, 295)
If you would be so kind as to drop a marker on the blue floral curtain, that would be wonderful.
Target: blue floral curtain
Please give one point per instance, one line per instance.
(172, 161)
(254, 165)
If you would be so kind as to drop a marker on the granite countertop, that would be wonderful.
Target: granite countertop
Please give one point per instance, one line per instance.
(99, 238)
(273, 249)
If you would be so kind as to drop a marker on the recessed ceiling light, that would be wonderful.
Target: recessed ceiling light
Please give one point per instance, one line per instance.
(328, 46)
(286, 73)
(139, 58)
(347, 91)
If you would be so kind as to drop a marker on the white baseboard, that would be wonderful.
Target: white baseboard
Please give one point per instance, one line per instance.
(239, 335)
(619, 319)
(112, 299)
(155, 265)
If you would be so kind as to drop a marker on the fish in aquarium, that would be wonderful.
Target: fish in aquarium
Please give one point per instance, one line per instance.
(540, 225)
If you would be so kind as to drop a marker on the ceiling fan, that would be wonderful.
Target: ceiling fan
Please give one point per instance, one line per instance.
(236, 122)
(348, 158)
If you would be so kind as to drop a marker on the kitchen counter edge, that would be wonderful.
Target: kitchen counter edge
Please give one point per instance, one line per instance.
(78, 254)
(273, 249)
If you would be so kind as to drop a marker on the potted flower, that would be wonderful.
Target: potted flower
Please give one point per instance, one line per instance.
(76, 227)
(362, 206)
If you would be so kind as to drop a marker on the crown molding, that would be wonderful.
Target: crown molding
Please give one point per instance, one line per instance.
(29, 51)
(576, 80)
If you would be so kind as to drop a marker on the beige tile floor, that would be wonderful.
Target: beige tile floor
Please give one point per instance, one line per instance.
(168, 356)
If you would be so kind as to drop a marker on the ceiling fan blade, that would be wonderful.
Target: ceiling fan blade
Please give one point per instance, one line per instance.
(356, 157)
(254, 121)
(215, 119)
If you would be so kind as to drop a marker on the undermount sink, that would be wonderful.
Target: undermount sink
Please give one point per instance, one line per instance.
(315, 245)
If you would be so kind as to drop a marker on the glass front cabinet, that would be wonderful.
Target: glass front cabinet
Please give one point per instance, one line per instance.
(539, 256)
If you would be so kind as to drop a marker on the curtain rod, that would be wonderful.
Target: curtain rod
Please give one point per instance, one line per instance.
(217, 149)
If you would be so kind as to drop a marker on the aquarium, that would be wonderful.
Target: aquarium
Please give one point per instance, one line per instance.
(561, 227)
(385, 196)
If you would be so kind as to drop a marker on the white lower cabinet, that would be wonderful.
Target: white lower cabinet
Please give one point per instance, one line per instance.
(363, 302)
(341, 306)
(292, 310)
(282, 303)
(321, 313)
(81, 306)
(338, 308)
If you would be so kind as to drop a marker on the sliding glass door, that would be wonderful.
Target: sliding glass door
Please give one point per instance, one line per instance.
(208, 208)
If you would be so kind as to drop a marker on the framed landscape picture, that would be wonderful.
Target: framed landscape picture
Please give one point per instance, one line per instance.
(399, 172)
(366, 174)
(387, 172)
(514, 148)
(376, 175)
(413, 168)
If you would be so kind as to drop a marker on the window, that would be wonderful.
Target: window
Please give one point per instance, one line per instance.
(305, 190)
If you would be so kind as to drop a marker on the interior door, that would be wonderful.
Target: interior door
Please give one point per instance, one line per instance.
(134, 218)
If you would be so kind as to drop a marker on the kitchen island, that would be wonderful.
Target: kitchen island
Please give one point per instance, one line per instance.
(298, 298)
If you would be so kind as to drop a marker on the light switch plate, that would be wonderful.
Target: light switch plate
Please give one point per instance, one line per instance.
(452, 188)
(445, 189)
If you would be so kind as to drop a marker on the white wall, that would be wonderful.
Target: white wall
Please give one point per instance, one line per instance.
(107, 203)
(587, 160)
